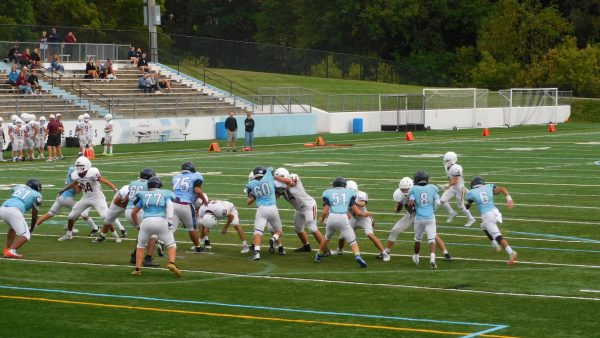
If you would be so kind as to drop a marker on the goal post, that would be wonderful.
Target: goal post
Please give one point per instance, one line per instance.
(466, 101)
(529, 105)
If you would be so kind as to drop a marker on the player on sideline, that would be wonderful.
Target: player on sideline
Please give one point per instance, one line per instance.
(401, 198)
(305, 207)
(211, 213)
(337, 202)
(261, 189)
(187, 186)
(79, 133)
(2, 140)
(88, 179)
(23, 198)
(483, 195)
(18, 140)
(455, 188)
(30, 133)
(158, 219)
(40, 137)
(365, 223)
(67, 200)
(108, 130)
(88, 131)
(424, 198)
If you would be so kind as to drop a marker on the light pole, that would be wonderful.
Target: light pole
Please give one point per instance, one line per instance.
(152, 19)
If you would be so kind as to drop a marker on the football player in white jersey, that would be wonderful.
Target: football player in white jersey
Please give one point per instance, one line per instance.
(79, 133)
(88, 179)
(40, 137)
(408, 220)
(11, 134)
(2, 140)
(360, 222)
(209, 215)
(116, 208)
(30, 133)
(305, 215)
(87, 131)
(108, 132)
(455, 188)
(18, 140)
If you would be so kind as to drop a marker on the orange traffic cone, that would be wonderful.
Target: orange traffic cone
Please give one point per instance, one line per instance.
(214, 147)
(486, 132)
(551, 128)
(319, 141)
(409, 136)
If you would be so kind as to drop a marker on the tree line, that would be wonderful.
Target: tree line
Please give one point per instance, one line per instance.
(482, 43)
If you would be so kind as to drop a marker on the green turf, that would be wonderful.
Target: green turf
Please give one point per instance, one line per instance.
(554, 227)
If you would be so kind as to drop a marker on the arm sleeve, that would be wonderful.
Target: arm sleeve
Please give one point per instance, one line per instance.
(326, 201)
(352, 201)
(198, 183)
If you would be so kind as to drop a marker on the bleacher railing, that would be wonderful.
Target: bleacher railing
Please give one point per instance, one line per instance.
(71, 52)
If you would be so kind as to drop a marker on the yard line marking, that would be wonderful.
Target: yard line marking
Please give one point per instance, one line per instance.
(584, 290)
(225, 315)
(244, 306)
(326, 281)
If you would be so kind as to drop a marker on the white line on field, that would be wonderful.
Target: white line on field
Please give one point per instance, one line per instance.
(595, 291)
(327, 281)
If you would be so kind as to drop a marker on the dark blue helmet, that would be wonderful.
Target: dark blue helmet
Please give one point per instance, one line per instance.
(421, 178)
(189, 166)
(477, 180)
(339, 182)
(154, 182)
(34, 184)
(147, 173)
(259, 172)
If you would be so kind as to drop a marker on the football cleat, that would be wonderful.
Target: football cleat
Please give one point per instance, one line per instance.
(305, 248)
(207, 245)
(100, 239)
(174, 269)
(124, 233)
(318, 257)
(513, 258)
(281, 251)
(118, 239)
(386, 257)
(339, 251)
(136, 272)
(433, 265)
(5, 251)
(470, 222)
(245, 249)
(149, 263)
(12, 253)
(415, 259)
(255, 256)
(93, 232)
(65, 238)
(160, 248)
(447, 257)
(272, 242)
(451, 217)
(360, 261)
(380, 256)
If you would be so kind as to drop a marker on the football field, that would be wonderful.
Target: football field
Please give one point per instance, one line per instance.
(66, 289)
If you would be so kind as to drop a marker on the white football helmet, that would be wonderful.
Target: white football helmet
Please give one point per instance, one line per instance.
(19, 121)
(1, 120)
(80, 118)
(25, 117)
(14, 118)
(52, 116)
(83, 164)
(450, 157)
(405, 183)
(86, 117)
(108, 117)
(209, 220)
(42, 120)
(352, 185)
(282, 172)
(32, 117)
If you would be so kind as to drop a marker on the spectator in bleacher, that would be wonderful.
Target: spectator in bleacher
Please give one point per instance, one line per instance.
(231, 126)
(249, 129)
(35, 59)
(152, 83)
(70, 39)
(44, 45)
(133, 56)
(25, 58)
(54, 42)
(14, 53)
(13, 75)
(110, 70)
(22, 83)
(101, 69)
(34, 82)
(163, 84)
(91, 72)
(143, 64)
(55, 64)
(143, 83)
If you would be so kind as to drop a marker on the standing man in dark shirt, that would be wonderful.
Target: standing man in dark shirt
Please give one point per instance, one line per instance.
(53, 138)
(54, 42)
(249, 128)
(231, 126)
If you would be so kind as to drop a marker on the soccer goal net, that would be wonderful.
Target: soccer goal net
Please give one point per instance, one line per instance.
(461, 105)
(529, 105)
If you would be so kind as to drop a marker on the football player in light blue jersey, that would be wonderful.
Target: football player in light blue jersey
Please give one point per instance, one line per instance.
(158, 220)
(23, 198)
(261, 190)
(483, 195)
(187, 187)
(424, 199)
(67, 200)
(337, 202)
